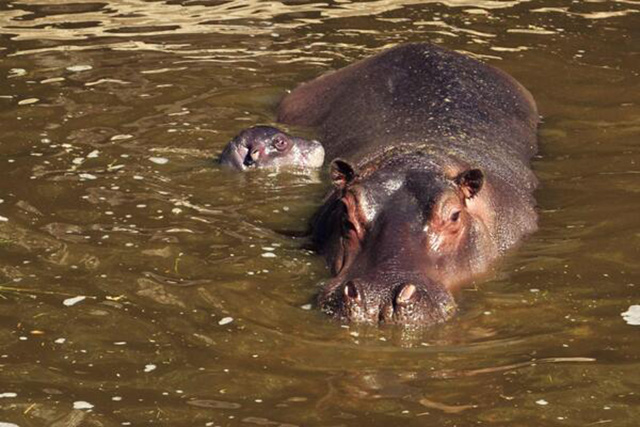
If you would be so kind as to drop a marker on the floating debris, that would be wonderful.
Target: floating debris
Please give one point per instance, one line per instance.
(101, 81)
(78, 68)
(3, 219)
(73, 301)
(150, 367)
(225, 321)
(179, 230)
(8, 394)
(306, 307)
(60, 341)
(121, 137)
(269, 255)
(87, 176)
(631, 316)
(81, 404)
(542, 402)
(159, 160)
(28, 101)
(52, 80)
(17, 72)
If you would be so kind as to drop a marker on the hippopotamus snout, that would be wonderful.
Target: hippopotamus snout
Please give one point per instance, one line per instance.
(252, 156)
(269, 147)
(242, 155)
(405, 302)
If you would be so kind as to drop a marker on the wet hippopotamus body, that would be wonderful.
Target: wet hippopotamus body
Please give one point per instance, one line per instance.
(429, 154)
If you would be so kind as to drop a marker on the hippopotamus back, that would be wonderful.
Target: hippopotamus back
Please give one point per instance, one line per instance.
(420, 97)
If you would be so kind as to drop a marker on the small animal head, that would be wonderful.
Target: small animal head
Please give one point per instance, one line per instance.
(269, 147)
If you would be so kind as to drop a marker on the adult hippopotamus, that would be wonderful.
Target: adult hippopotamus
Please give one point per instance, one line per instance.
(430, 155)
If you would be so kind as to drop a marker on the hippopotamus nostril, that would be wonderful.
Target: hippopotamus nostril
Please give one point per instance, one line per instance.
(252, 157)
(406, 295)
(406, 305)
(351, 292)
(353, 304)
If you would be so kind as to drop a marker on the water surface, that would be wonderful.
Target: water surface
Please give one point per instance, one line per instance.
(141, 284)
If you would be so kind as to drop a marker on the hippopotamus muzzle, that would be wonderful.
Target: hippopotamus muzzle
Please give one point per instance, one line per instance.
(269, 147)
(404, 302)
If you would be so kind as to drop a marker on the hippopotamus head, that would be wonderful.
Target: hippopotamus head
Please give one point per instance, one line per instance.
(269, 147)
(400, 236)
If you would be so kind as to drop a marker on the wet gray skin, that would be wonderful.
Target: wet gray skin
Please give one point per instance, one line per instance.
(269, 147)
(432, 184)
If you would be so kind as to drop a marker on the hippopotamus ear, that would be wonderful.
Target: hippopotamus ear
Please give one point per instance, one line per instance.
(470, 182)
(342, 173)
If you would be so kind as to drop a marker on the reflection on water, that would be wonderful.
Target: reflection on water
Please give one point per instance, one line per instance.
(33, 19)
(141, 284)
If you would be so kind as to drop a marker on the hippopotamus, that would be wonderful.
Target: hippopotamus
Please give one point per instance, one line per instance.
(269, 147)
(429, 156)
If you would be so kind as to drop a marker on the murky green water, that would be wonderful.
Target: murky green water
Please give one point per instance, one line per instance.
(195, 310)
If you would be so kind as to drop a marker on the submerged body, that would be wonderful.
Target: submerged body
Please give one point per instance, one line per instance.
(430, 155)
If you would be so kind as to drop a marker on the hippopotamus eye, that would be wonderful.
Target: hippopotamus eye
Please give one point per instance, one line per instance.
(347, 226)
(280, 143)
(455, 216)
